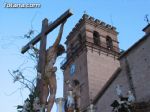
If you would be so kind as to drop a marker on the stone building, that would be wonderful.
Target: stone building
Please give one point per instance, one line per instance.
(97, 65)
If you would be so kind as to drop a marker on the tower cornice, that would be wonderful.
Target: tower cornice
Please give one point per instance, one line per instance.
(86, 19)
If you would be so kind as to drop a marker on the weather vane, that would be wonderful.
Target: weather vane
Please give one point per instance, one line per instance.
(147, 19)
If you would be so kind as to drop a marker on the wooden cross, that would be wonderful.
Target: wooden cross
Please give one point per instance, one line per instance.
(42, 38)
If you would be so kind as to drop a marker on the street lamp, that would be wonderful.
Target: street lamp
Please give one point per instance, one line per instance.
(60, 102)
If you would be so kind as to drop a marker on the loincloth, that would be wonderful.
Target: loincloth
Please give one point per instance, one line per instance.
(49, 72)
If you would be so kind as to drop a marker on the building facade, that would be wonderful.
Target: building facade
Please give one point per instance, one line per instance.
(96, 65)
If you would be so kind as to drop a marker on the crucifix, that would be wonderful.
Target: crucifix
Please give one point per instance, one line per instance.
(47, 83)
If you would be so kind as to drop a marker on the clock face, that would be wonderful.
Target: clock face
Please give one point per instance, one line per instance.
(72, 69)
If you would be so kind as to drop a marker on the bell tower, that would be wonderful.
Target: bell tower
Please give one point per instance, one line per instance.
(92, 52)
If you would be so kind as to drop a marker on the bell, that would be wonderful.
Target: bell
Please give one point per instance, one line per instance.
(91, 108)
(60, 102)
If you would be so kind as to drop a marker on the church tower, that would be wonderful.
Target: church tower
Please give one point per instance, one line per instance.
(92, 57)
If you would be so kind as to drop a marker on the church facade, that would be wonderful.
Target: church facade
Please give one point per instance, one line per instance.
(96, 66)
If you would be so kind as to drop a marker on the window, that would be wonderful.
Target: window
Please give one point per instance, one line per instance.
(76, 82)
(96, 38)
(109, 42)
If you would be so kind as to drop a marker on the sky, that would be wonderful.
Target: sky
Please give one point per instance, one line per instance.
(128, 16)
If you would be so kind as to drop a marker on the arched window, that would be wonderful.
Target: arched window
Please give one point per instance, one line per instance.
(96, 38)
(109, 42)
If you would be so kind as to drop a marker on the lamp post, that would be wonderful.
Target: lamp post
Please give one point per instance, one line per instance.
(60, 102)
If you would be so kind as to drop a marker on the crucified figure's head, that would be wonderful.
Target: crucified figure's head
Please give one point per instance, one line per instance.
(60, 50)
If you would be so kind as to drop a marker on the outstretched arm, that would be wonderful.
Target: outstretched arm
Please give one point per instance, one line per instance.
(58, 39)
